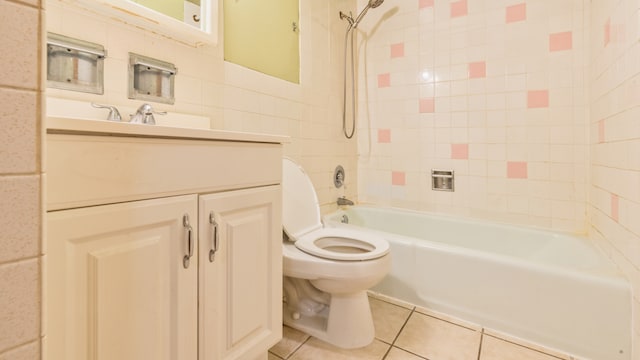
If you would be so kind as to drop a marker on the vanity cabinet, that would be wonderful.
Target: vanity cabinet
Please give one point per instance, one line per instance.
(161, 243)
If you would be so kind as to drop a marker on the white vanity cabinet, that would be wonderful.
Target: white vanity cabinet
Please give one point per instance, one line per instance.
(161, 243)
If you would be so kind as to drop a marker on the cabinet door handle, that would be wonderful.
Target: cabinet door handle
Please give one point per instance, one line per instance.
(190, 243)
(214, 236)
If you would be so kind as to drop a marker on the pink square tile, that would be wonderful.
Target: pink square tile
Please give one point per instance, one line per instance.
(601, 131)
(517, 170)
(384, 135)
(384, 80)
(427, 105)
(398, 178)
(477, 70)
(516, 13)
(615, 207)
(538, 99)
(460, 151)
(397, 50)
(425, 3)
(561, 41)
(607, 32)
(459, 8)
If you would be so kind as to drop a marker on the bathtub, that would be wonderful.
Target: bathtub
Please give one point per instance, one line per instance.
(547, 288)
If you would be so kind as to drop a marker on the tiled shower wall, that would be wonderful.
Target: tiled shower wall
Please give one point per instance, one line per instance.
(614, 206)
(235, 98)
(20, 178)
(492, 89)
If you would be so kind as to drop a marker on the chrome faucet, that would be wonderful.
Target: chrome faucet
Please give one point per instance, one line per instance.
(144, 115)
(344, 201)
(114, 114)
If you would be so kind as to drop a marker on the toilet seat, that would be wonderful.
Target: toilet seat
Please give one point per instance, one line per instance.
(302, 223)
(342, 244)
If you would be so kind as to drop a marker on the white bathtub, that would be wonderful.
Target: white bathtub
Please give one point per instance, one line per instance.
(547, 288)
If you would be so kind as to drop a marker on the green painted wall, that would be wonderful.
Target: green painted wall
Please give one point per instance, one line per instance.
(259, 35)
(173, 8)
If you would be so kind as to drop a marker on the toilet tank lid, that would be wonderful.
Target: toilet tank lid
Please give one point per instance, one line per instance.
(300, 207)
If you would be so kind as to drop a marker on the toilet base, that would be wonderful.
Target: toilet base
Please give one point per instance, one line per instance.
(346, 323)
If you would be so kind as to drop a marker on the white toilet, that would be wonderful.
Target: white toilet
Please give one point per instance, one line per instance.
(327, 271)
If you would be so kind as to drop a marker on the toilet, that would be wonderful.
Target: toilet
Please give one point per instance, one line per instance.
(327, 271)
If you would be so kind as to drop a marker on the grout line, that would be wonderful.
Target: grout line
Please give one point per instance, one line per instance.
(21, 260)
(399, 332)
(37, 341)
(480, 345)
(403, 325)
(387, 352)
(412, 353)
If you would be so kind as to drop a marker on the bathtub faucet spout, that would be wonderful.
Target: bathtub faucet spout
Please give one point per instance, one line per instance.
(344, 201)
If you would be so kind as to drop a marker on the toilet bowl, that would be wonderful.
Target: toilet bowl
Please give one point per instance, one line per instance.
(327, 271)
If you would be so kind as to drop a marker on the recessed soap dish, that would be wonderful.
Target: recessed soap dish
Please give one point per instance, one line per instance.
(442, 180)
(74, 64)
(151, 79)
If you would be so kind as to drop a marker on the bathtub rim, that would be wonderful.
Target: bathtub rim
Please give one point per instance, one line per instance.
(611, 272)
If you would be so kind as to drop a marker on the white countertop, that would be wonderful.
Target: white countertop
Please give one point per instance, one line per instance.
(58, 125)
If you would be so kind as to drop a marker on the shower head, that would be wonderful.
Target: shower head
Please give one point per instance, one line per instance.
(375, 3)
(372, 4)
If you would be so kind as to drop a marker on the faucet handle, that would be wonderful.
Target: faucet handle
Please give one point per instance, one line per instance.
(114, 114)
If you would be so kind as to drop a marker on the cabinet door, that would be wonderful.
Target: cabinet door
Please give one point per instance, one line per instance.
(116, 285)
(241, 284)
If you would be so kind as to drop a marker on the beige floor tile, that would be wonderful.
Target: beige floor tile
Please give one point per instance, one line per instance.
(388, 319)
(315, 349)
(436, 339)
(399, 354)
(273, 357)
(524, 343)
(291, 341)
(498, 349)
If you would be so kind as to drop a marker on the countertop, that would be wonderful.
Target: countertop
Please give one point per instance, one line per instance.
(57, 125)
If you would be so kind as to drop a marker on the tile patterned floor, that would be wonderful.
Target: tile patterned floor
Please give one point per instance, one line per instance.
(407, 332)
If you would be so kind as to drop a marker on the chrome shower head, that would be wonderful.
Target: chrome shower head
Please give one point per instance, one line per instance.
(372, 4)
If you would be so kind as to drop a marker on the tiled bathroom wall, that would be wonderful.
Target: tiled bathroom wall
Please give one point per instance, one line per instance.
(234, 97)
(498, 90)
(534, 104)
(21, 92)
(614, 206)
(492, 89)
